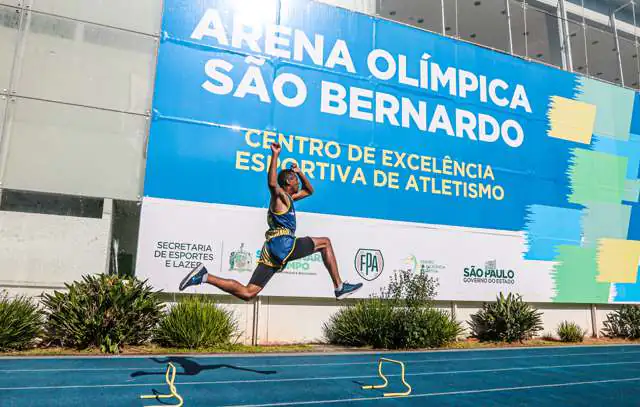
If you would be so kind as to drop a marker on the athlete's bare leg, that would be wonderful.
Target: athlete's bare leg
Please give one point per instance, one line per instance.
(323, 245)
(244, 292)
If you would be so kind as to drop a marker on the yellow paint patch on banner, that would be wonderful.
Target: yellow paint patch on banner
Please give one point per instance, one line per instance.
(571, 120)
(618, 260)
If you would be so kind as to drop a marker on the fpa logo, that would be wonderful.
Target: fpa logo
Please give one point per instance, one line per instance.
(369, 263)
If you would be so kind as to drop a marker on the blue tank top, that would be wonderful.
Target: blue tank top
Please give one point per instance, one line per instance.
(282, 224)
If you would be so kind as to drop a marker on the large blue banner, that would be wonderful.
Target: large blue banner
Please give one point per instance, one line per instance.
(391, 122)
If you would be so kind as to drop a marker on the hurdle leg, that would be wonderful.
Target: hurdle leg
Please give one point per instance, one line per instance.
(386, 382)
(378, 386)
(171, 383)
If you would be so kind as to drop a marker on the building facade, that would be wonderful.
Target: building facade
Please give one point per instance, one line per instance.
(76, 94)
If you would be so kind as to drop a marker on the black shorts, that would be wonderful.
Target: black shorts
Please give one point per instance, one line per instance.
(304, 247)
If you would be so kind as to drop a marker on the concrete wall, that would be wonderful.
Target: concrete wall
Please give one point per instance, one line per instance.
(40, 252)
(300, 320)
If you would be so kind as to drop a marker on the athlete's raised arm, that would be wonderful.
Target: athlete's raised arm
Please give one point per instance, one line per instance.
(306, 189)
(278, 196)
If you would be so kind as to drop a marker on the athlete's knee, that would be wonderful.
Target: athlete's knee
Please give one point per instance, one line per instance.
(321, 242)
(251, 292)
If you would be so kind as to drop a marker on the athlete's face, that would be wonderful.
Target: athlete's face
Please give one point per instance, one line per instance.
(294, 185)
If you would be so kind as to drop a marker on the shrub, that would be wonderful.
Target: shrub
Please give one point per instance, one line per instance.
(196, 322)
(369, 322)
(377, 323)
(508, 319)
(102, 311)
(623, 323)
(570, 332)
(401, 317)
(410, 289)
(425, 328)
(20, 322)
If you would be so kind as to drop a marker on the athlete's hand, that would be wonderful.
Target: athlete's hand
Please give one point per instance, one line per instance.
(295, 168)
(276, 148)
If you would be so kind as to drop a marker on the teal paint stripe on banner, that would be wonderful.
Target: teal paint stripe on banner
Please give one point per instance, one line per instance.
(596, 177)
(614, 106)
(605, 221)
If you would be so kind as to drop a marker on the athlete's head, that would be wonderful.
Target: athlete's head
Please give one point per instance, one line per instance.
(288, 180)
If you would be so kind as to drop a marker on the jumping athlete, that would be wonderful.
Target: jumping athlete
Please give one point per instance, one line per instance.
(281, 245)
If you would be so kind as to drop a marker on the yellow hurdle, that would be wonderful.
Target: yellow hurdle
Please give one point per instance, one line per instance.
(170, 382)
(386, 382)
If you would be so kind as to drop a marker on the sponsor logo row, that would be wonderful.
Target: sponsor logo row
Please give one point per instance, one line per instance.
(369, 263)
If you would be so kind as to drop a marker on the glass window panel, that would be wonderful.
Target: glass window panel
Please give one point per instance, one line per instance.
(15, 3)
(484, 22)
(363, 6)
(423, 14)
(543, 39)
(624, 13)
(51, 204)
(9, 24)
(52, 26)
(600, 6)
(124, 236)
(451, 17)
(630, 68)
(601, 55)
(518, 28)
(577, 40)
(137, 15)
(73, 150)
(87, 64)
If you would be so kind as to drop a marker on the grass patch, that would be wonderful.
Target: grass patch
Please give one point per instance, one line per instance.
(537, 342)
(231, 348)
(153, 349)
(475, 344)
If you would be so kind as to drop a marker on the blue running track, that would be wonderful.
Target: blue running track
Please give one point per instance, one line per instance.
(567, 376)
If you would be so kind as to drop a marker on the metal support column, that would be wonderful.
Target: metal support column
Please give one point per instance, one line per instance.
(256, 320)
(594, 321)
(612, 18)
(526, 30)
(107, 214)
(508, 8)
(444, 23)
(565, 38)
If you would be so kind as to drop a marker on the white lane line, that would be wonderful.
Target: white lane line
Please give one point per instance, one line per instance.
(106, 369)
(450, 393)
(325, 378)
